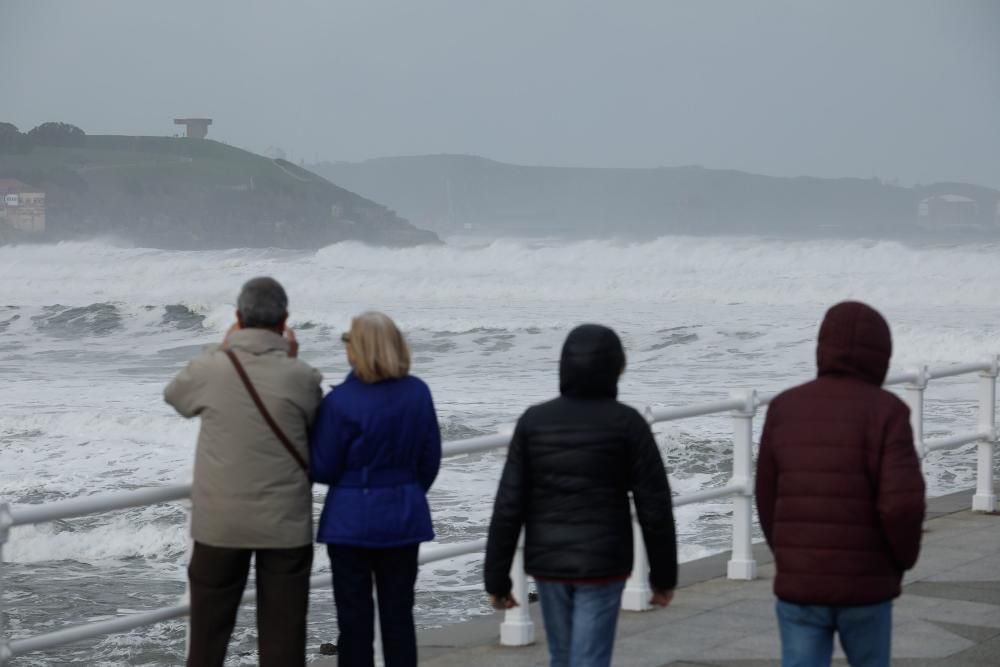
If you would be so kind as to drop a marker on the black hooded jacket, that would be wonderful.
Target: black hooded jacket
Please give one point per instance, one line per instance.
(571, 465)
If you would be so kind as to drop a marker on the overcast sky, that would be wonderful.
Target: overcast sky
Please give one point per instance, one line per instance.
(905, 89)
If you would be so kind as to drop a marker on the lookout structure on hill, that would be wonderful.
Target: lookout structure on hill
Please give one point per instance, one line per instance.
(197, 128)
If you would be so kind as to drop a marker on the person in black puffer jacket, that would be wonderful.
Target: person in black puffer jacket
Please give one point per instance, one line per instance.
(571, 465)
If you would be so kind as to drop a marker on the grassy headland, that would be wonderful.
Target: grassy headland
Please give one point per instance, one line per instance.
(196, 193)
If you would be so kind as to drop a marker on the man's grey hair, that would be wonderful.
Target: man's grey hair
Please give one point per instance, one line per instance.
(263, 303)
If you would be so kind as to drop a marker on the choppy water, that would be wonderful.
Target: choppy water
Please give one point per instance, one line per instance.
(90, 333)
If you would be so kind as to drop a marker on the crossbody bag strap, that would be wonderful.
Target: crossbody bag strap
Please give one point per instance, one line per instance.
(264, 413)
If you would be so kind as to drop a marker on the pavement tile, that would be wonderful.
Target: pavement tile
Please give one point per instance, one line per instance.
(637, 622)
(984, 570)
(964, 612)
(948, 616)
(976, 633)
(761, 621)
(922, 639)
(654, 649)
(760, 645)
(987, 592)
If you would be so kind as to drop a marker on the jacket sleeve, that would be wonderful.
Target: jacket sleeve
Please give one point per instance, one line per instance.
(186, 391)
(509, 512)
(327, 443)
(766, 485)
(901, 491)
(654, 507)
(430, 452)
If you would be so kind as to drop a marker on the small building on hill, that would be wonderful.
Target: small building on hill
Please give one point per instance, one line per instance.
(197, 128)
(949, 210)
(956, 206)
(22, 207)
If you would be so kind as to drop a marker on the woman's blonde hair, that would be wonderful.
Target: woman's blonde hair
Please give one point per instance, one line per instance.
(378, 349)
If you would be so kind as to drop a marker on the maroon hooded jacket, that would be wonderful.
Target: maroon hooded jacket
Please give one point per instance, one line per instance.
(840, 492)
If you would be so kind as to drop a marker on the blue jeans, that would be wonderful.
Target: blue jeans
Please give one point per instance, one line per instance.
(580, 621)
(807, 634)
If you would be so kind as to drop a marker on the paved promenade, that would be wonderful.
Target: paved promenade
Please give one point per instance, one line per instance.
(949, 613)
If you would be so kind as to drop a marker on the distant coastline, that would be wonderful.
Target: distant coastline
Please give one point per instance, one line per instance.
(452, 193)
(190, 193)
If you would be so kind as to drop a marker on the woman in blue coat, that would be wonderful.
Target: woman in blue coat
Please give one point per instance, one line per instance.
(377, 444)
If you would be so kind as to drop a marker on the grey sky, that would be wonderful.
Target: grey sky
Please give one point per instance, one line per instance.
(907, 89)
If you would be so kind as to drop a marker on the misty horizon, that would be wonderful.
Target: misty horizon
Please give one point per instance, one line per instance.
(900, 91)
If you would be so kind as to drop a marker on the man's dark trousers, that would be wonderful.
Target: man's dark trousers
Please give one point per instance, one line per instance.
(218, 576)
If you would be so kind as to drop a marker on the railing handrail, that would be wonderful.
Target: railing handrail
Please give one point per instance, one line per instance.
(128, 622)
(70, 508)
(98, 503)
(742, 406)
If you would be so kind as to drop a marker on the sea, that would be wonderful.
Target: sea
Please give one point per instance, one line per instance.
(90, 333)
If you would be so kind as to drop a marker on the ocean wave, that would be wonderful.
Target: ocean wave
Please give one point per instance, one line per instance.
(84, 412)
(134, 535)
(669, 269)
(96, 319)
(180, 316)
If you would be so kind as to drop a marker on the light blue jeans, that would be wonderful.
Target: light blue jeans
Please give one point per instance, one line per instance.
(580, 622)
(807, 634)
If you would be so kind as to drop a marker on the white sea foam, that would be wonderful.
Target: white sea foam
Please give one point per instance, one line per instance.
(81, 407)
(134, 536)
(713, 270)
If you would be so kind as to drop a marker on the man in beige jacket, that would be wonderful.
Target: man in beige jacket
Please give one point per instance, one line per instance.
(251, 496)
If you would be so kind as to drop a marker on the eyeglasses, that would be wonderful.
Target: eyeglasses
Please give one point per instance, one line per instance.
(345, 337)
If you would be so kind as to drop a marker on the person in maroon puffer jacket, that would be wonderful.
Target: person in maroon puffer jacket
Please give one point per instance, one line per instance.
(840, 495)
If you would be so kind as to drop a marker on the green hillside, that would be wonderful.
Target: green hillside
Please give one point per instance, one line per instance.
(179, 192)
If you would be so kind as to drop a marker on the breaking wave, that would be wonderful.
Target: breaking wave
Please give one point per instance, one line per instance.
(712, 270)
(91, 332)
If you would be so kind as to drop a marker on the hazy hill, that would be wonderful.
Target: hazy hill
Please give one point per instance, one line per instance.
(195, 193)
(451, 191)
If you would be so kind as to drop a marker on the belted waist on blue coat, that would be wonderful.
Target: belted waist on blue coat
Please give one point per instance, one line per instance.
(378, 477)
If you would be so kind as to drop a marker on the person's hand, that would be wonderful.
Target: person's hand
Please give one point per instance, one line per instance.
(293, 343)
(661, 598)
(235, 326)
(504, 602)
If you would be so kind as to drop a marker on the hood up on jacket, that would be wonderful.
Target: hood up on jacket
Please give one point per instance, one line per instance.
(854, 340)
(592, 360)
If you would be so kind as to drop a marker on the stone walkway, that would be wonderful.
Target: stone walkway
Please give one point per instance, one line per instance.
(949, 613)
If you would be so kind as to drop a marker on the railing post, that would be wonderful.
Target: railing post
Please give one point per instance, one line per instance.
(985, 499)
(517, 628)
(638, 592)
(378, 650)
(186, 596)
(6, 521)
(742, 564)
(913, 392)
(186, 600)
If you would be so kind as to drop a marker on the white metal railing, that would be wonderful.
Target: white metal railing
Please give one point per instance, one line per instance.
(517, 628)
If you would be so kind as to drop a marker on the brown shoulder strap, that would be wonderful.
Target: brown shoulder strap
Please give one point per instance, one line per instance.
(264, 413)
